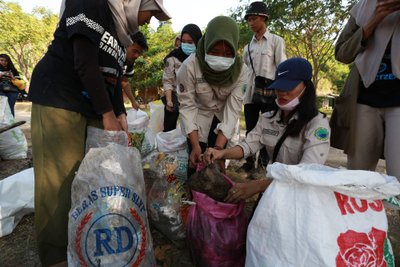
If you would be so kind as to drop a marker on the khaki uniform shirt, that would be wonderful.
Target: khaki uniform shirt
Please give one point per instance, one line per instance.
(310, 146)
(200, 101)
(172, 66)
(266, 53)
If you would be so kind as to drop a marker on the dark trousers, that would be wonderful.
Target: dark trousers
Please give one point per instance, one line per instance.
(170, 119)
(212, 138)
(251, 115)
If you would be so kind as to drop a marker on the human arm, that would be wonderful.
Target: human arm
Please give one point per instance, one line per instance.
(280, 51)
(233, 106)
(316, 146)
(188, 109)
(382, 10)
(242, 191)
(87, 66)
(213, 154)
(128, 91)
(169, 81)
(195, 154)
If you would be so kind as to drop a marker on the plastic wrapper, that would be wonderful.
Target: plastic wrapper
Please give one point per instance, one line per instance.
(165, 199)
(140, 135)
(108, 223)
(13, 143)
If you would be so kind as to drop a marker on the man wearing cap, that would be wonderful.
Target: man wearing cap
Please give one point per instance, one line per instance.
(133, 51)
(262, 56)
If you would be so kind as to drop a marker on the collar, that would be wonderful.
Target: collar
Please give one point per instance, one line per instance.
(265, 36)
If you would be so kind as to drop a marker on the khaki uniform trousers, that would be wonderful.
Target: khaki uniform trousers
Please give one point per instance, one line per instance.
(58, 147)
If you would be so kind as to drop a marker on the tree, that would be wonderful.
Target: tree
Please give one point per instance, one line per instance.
(309, 27)
(149, 68)
(25, 37)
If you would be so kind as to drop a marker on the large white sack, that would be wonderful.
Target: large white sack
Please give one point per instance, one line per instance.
(108, 223)
(156, 123)
(13, 143)
(314, 215)
(16, 199)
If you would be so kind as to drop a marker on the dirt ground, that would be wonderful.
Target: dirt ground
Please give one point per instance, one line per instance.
(20, 249)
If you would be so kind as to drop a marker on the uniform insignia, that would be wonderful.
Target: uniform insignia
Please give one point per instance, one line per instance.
(181, 88)
(270, 132)
(321, 134)
(244, 88)
(200, 80)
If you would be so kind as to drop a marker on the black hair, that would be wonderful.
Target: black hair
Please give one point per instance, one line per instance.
(140, 39)
(10, 65)
(306, 110)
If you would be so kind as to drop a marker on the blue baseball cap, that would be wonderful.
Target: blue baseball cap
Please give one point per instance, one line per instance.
(290, 73)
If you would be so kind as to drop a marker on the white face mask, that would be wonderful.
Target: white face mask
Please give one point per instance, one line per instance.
(219, 63)
(292, 104)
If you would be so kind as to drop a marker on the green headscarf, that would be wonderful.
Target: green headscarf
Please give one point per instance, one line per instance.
(220, 28)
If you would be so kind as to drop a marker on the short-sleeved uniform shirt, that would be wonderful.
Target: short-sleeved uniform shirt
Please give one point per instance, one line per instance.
(310, 146)
(200, 101)
(55, 81)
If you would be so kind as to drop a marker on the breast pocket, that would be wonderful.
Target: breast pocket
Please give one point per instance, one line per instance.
(293, 149)
(204, 93)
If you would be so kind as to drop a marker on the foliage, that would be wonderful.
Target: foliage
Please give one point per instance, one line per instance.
(25, 37)
(309, 28)
(149, 68)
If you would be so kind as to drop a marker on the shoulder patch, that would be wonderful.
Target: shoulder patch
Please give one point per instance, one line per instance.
(321, 134)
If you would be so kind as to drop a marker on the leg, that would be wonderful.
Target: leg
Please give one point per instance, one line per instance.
(170, 119)
(58, 144)
(392, 141)
(368, 139)
(12, 98)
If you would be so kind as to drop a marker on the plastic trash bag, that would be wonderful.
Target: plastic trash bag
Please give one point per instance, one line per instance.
(174, 143)
(210, 181)
(166, 210)
(216, 232)
(97, 137)
(156, 123)
(13, 143)
(108, 223)
(140, 135)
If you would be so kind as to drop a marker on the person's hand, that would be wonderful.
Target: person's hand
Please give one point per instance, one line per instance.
(386, 7)
(212, 155)
(123, 122)
(110, 122)
(242, 191)
(195, 156)
(170, 106)
(135, 105)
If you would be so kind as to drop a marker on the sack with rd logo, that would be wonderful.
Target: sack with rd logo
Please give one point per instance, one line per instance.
(108, 223)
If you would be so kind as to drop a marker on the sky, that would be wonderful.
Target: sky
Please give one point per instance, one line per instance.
(183, 12)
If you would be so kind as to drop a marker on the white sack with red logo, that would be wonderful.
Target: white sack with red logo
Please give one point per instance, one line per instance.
(314, 215)
(108, 223)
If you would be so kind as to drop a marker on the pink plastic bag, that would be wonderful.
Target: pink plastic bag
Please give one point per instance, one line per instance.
(216, 232)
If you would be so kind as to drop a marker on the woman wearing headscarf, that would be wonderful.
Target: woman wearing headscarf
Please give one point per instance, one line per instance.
(210, 87)
(293, 133)
(189, 38)
(8, 74)
(76, 84)
(366, 119)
